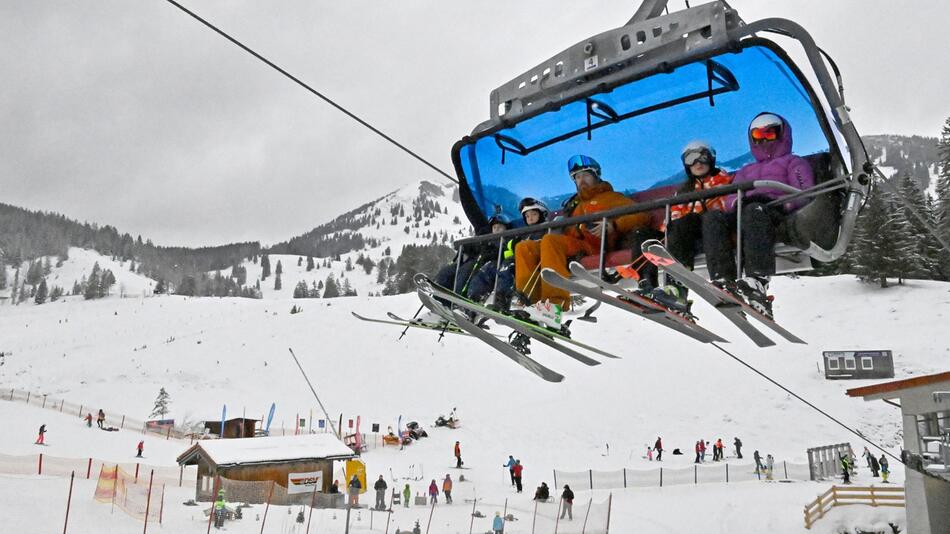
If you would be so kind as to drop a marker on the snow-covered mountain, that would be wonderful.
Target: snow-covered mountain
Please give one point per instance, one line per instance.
(421, 213)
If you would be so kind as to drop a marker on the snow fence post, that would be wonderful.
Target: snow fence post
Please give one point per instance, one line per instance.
(267, 506)
(785, 465)
(61, 404)
(431, 509)
(313, 501)
(214, 493)
(624, 478)
(137, 472)
(44, 401)
(89, 469)
(80, 407)
(555, 477)
(661, 477)
(610, 502)
(727, 473)
(695, 474)
(590, 473)
(557, 518)
(181, 474)
(148, 500)
(161, 506)
(27, 397)
(168, 434)
(40, 469)
(589, 504)
(122, 424)
(69, 500)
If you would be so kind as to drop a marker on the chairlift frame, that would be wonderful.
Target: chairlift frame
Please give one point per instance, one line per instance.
(651, 44)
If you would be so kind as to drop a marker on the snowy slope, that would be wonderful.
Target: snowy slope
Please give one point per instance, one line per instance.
(79, 265)
(208, 352)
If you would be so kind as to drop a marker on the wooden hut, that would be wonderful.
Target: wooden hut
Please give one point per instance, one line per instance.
(284, 469)
(238, 427)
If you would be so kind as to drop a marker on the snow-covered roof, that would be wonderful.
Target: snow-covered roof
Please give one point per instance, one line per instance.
(268, 449)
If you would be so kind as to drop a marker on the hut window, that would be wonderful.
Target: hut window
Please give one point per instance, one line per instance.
(866, 363)
(833, 364)
(849, 364)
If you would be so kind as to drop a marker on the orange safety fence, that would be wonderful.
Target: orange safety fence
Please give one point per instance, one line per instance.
(118, 488)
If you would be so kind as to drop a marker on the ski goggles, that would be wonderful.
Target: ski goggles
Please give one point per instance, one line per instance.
(582, 163)
(765, 133)
(698, 156)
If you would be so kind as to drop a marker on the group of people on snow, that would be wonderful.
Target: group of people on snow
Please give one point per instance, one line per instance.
(709, 222)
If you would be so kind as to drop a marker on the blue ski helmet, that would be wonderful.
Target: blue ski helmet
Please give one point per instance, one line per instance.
(580, 163)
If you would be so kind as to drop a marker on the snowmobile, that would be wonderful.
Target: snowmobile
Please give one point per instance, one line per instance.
(633, 97)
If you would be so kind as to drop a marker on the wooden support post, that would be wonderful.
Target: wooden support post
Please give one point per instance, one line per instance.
(214, 493)
(785, 465)
(695, 474)
(89, 469)
(557, 518)
(610, 502)
(69, 500)
(431, 509)
(122, 424)
(313, 502)
(661, 477)
(534, 518)
(80, 410)
(137, 473)
(61, 404)
(727, 473)
(181, 474)
(44, 401)
(471, 524)
(40, 468)
(161, 506)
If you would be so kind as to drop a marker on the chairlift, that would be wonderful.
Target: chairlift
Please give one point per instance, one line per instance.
(634, 96)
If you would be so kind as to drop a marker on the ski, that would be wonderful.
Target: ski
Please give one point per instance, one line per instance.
(424, 326)
(649, 306)
(461, 320)
(433, 326)
(629, 302)
(525, 327)
(734, 308)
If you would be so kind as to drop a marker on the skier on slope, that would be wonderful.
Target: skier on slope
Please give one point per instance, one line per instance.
(518, 470)
(483, 282)
(41, 438)
(553, 250)
(738, 444)
(702, 221)
(140, 448)
(406, 495)
(100, 418)
(433, 493)
(458, 455)
(447, 488)
(658, 447)
(885, 470)
(770, 140)
(511, 468)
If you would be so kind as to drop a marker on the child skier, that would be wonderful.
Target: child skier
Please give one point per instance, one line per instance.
(42, 435)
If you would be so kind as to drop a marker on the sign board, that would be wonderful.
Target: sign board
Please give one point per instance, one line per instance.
(304, 482)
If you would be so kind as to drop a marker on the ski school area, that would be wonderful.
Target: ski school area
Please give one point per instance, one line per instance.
(302, 481)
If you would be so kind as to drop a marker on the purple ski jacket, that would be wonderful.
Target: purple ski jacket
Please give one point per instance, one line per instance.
(775, 161)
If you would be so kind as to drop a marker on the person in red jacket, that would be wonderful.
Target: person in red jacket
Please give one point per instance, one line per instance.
(140, 447)
(704, 221)
(658, 447)
(458, 455)
(518, 468)
(433, 492)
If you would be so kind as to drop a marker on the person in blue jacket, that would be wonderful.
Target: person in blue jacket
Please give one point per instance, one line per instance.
(511, 468)
(498, 525)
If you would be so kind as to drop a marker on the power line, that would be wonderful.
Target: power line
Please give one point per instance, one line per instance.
(316, 93)
(809, 404)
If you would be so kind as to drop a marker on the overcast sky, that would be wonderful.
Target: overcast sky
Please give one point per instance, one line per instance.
(131, 113)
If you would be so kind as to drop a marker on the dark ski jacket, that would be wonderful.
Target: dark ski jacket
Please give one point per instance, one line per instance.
(380, 485)
(568, 495)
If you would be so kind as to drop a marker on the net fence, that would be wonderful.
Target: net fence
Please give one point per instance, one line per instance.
(119, 488)
(706, 473)
(43, 464)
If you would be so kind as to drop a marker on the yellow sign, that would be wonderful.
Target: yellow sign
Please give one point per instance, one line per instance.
(358, 468)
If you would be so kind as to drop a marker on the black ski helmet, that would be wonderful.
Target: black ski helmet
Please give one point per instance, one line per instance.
(499, 218)
(528, 203)
(698, 150)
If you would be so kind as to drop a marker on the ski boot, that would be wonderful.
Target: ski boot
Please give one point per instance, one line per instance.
(430, 318)
(673, 297)
(755, 291)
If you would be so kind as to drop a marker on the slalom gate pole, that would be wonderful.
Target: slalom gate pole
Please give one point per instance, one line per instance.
(505, 513)
(161, 506)
(148, 500)
(69, 500)
(314, 392)
(610, 501)
(534, 517)
(267, 506)
(431, 512)
(590, 503)
(557, 518)
(474, 502)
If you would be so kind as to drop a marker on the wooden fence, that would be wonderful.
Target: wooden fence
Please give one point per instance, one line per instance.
(845, 495)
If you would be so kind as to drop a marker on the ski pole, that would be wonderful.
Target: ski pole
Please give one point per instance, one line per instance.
(406, 329)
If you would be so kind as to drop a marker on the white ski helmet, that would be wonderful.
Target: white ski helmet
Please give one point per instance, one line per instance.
(695, 150)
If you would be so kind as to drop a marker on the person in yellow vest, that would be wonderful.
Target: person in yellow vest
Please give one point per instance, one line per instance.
(220, 509)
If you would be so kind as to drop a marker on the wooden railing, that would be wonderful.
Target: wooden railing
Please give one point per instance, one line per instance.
(845, 495)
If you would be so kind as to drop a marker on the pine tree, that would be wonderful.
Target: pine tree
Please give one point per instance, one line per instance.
(55, 294)
(924, 248)
(277, 284)
(310, 265)
(3, 275)
(161, 404)
(300, 290)
(160, 287)
(265, 267)
(91, 288)
(41, 292)
(280, 269)
(299, 261)
(879, 237)
(942, 215)
(331, 289)
(106, 281)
